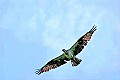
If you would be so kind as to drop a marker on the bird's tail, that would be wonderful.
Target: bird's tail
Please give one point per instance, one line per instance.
(75, 62)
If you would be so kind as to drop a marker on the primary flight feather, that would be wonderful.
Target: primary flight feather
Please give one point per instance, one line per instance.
(70, 54)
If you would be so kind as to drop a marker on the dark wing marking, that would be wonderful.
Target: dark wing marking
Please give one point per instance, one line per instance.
(81, 42)
(54, 63)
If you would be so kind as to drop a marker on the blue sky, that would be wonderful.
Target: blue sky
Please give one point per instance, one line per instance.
(32, 32)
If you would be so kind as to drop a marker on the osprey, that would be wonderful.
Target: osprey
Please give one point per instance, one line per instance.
(70, 54)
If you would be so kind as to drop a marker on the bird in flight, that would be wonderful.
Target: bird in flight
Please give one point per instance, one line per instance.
(70, 54)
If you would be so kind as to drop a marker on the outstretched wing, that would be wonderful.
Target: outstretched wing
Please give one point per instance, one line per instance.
(54, 63)
(81, 42)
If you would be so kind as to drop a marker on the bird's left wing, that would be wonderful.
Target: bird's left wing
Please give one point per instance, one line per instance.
(82, 41)
(54, 63)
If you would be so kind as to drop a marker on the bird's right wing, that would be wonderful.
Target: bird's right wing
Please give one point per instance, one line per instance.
(54, 63)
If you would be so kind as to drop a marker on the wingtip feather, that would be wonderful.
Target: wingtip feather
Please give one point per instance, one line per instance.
(38, 71)
(94, 28)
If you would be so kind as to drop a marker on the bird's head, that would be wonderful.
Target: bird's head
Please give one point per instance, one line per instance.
(63, 50)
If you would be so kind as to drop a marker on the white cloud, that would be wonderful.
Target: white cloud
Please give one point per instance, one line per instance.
(61, 31)
(119, 26)
(32, 24)
(99, 17)
(42, 15)
(27, 31)
(52, 32)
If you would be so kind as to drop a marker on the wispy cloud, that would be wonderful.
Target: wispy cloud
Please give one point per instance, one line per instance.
(27, 30)
(21, 19)
(60, 30)
(57, 24)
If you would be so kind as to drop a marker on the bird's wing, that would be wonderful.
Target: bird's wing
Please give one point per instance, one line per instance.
(81, 42)
(54, 63)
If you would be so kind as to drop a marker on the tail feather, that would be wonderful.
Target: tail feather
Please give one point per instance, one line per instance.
(75, 63)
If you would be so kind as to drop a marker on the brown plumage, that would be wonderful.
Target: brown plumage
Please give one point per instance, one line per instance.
(69, 55)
